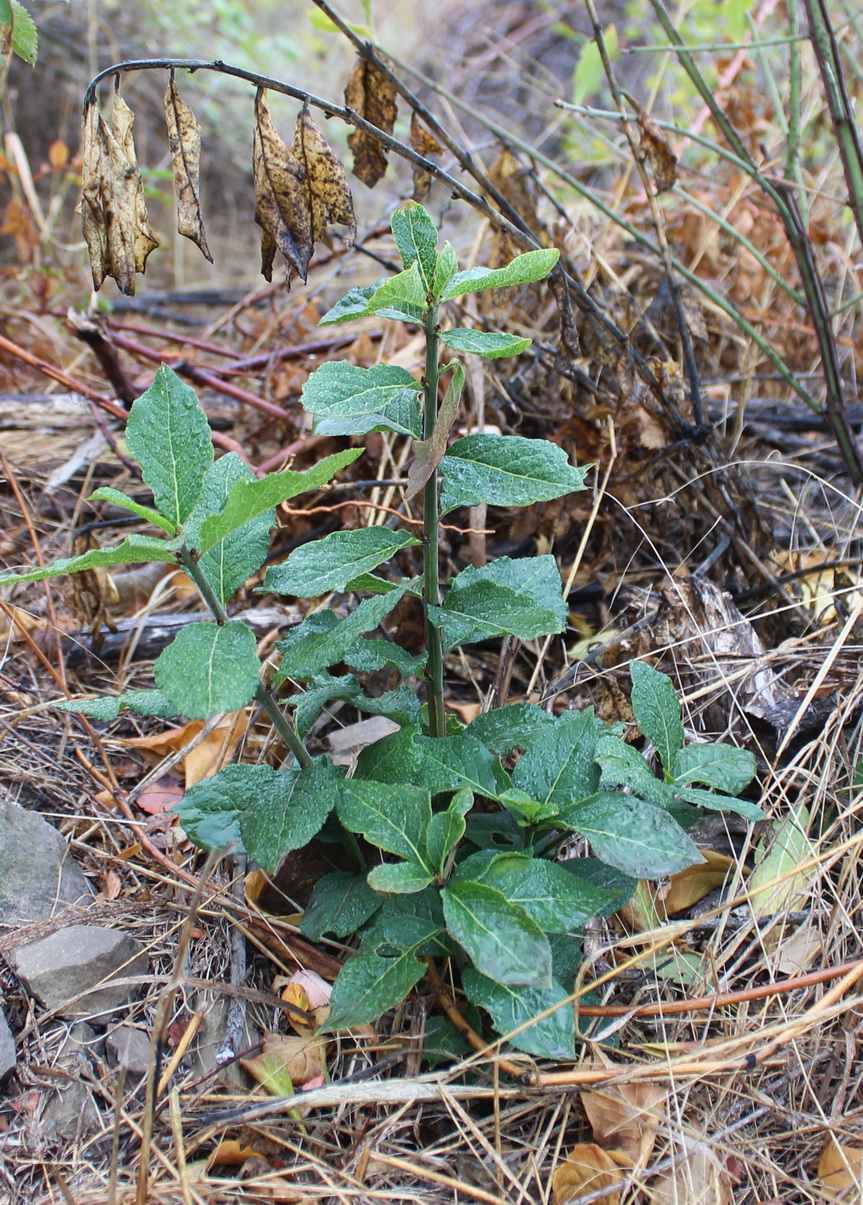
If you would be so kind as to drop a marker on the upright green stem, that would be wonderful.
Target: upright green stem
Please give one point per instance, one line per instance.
(431, 584)
(281, 723)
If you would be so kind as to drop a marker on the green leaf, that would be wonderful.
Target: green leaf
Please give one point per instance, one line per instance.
(551, 894)
(623, 766)
(514, 727)
(446, 267)
(500, 937)
(141, 702)
(209, 667)
(589, 71)
(234, 558)
(506, 470)
(641, 840)
(354, 304)
(400, 878)
(657, 710)
(378, 585)
(261, 811)
(533, 265)
(506, 597)
(401, 704)
(169, 436)
(341, 903)
(133, 550)
(392, 759)
(307, 649)
(416, 239)
(725, 767)
(370, 654)
(428, 453)
(248, 499)
(605, 881)
(106, 494)
(394, 818)
(553, 1037)
(720, 803)
(450, 763)
(322, 566)
(447, 828)
(25, 40)
(780, 876)
(386, 396)
(493, 345)
(559, 767)
(401, 297)
(371, 982)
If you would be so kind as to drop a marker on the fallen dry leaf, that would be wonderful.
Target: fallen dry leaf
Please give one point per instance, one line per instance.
(286, 1063)
(626, 1118)
(161, 796)
(184, 141)
(207, 757)
(657, 148)
(840, 1166)
(693, 884)
(700, 1179)
(587, 1168)
(370, 94)
(231, 1153)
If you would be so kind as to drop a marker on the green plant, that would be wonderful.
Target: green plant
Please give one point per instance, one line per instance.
(458, 856)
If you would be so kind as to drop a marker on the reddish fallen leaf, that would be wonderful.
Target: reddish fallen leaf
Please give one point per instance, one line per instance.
(161, 796)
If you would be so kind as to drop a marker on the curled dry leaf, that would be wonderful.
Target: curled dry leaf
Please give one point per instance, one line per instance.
(113, 211)
(328, 197)
(423, 143)
(587, 1168)
(184, 140)
(626, 1118)
(699, 1180)
(373, 96)
(689, 886)
(279, 204)
(656, 147)
(840, 1166)
(286, 1063)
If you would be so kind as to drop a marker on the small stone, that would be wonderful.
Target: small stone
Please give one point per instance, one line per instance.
(38, 876)
(59, 967)
(130, 1048)
(7, 1047)
(70, 1113)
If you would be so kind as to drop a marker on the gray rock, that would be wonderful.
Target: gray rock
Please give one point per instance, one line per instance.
(58, 967)
(69, 1113)
(38, 876)
(7, 1047)
(130, 1048)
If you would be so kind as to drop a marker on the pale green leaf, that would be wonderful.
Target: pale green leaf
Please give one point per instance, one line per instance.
(25, 40)
(524, 269)
(328, 564)
(506, 470)
(493, 345)
(353, 305)
(641, 840)
(400, 878)
(781, 878)
(719, 802)
(248, 499)
(657, 710)
(394, 818)
(342, 391)
(168, 434)
(510, 1008)
(556, 897)
(106, 493)
(134, 550)
(261, 811)
(108, 707)
(445, 268)
(208, 668)
(447, 828)
(416, 239)
(500, 938)
(240, 553)
(401, 298)
(589, 71)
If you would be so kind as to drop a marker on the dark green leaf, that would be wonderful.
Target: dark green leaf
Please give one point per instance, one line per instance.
(141, 702)
(641, 840)
(657, 710)
(401, 704)
(500, 937)
(353, 305)
(493, 345)
(524, 269)
(452, 762)
(208, 668)
(720, 803)
(169, 436)
(105, 493)
(618, 888)
(341, 904)
(394, 818)
(518, 597)
(393, 759)
(133, 550)
(447, 828)
(370, 654)
(556, 898)
(307, 651)
(400, 878)
(260, 811)
(233, 559)
(495, 830)
(249, 499)
(623, 766)
(416, 239)
(506, 470)
(513, 727)
(725, 767)
(553, 1037)
(559, 766)
(386, 395)
(322, 566)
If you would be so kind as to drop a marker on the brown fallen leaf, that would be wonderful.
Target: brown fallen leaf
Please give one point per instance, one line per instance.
(657, 148)
(281, 208)
(423, 143)
(840, 1166)
(207, 757)
(689, 886)
(370, 94)
(626, 1118)
(587, 1168)
(328, 197)
(231, 1153)
(159, 798)
(286, 1063)
(700, 1179)
(184, 140)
